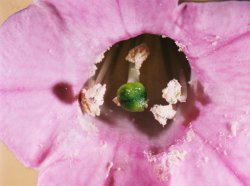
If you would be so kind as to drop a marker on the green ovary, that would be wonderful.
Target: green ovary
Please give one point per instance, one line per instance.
(132, 97)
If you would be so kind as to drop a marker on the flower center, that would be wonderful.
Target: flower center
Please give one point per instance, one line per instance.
(166, 68)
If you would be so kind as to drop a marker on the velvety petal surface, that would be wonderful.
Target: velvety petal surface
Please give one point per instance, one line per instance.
(99, 164)
(31, 114)
(202, 166)
(228, 134)
(53, 44)
(210, 26)
(200, 28)
(44, 64)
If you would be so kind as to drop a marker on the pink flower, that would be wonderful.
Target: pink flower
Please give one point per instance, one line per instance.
(46, 53)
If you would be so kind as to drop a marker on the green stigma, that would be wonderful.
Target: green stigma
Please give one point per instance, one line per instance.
(132, 97)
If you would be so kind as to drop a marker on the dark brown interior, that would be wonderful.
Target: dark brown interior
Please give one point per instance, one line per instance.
(164, 64)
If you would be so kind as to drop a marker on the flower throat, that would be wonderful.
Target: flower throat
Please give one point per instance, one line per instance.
(146, 75)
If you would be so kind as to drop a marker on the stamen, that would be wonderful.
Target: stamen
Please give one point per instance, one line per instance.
(106, 64)
(132, 96)
(162, 113)
(92, 99)
(98, 60)
(136, 57)
(177, 70)
(172, 93)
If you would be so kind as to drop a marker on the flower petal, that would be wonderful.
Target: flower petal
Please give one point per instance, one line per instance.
(100, 164)
(61, 48)
(148, 17)
(30, 121)
(224, 123)
(201, 166)
(31, 64)
(210, 26)
(200, 28)
(45, 60)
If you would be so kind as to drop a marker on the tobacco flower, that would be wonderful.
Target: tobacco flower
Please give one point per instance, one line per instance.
(46, 54)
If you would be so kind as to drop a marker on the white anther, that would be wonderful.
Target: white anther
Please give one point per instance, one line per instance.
(172, 93)
(92, 99)
(138, 55)
(162, 113)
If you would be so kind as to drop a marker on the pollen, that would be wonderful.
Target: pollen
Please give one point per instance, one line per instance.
(234, 128)
(93, 70)
(164, 163)
(99, 58)
(92, 99)
(138, 55)
(162, 113)
(172, 93)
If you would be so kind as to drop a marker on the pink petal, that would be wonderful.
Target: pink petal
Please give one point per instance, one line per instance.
(202, 166)
(201, 28)
(55, 44)
(229, 93)
(45, 56)
(34, 123)
(31, 115)
(99, 164)
(214, 24)
(82, 161)
(225, 69)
